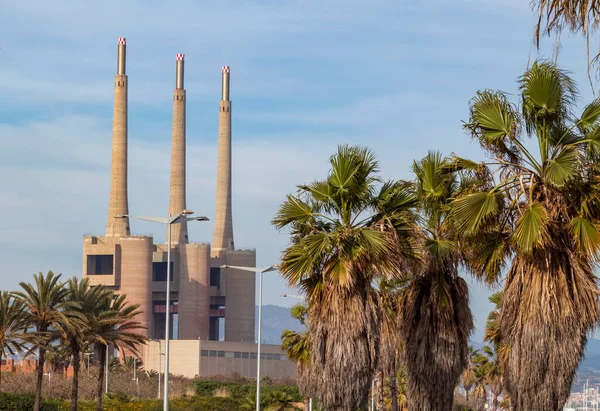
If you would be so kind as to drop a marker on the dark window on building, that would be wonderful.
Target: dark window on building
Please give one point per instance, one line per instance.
(244, 355)
(204, 353)
(220, 353)
(159, 271)
(215, 277)
(253, 355)
(277, 357)
(269, 356)
(100, 264)
(213, 353)
(237, 354)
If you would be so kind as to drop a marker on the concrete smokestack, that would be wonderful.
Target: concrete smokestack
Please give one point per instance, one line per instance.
(223, 232)
(179, 232)
(118, 203)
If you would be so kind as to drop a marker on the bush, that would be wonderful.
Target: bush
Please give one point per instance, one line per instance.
(207, 388)
(201, 404)
(24, 402)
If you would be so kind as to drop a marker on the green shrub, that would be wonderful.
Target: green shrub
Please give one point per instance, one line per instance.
(207, 388)
(24, 402)
(201, 404)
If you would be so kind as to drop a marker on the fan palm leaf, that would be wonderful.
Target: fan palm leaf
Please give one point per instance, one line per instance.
(12, 326)
(546, 225)
(46, 308)
(346, 231)
(435, 319)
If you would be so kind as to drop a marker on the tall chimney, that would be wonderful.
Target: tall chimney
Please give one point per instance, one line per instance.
(179, 232)
(223, 232)
(118, 204)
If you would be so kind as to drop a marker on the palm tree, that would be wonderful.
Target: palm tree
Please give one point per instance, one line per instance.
(58, 357)
(249, 403)
(543, 212)
(395, 397)
(132, 364)
(480, 372)
(500, 352)
(435, 317)
(279, 401)
(467, 376)
(12, 326)
(87, 301)
(113, 323)
(342, 238)
(46, 305)
(576, 15)
(388, 293)
(494, 374)
(297, 347)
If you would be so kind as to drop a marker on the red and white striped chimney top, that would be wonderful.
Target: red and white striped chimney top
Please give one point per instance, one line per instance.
(122, 41)
(180, 57)
(225, 69)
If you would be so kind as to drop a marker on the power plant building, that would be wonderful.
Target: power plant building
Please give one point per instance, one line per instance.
(202, 293)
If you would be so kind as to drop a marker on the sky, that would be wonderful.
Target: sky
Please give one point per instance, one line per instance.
(306, 75)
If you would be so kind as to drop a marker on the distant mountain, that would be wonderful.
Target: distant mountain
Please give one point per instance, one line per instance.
(276, 319)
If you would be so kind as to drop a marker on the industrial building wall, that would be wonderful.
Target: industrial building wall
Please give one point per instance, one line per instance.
(192, 358)
(194, 291)
(240, 297)
(136, 275)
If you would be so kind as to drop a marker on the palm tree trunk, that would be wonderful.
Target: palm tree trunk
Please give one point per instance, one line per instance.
(306, 403)
(394, 392)
(39, 369)
(75, 382)
(379, 390)
(100, 379)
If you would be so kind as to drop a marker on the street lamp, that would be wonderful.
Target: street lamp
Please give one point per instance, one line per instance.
(299, 297)
(169, 221)
(260, 270)
(159, 354)
(87, 354)
(106, 372)
(49, 374)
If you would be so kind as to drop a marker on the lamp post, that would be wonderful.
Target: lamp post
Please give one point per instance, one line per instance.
(255, 270)
(169, 221)
(299, 297)
(106, 371)
(87, 354)
(159, 354)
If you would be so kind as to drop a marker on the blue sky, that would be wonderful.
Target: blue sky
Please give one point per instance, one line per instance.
(305, 76)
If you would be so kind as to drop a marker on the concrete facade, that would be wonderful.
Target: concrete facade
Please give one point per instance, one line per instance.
(202, 294)
(223, 232)
(118, 202)
(191, 358)
(194, 291)
(179, 232)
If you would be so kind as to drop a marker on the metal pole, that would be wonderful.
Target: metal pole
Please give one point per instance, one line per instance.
(159, 354)
(259, 337)
(106, 371)
(372, 395)
(167, 321)
(310, 404)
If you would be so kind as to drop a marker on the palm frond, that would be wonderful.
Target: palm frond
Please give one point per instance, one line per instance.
(471, 211)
